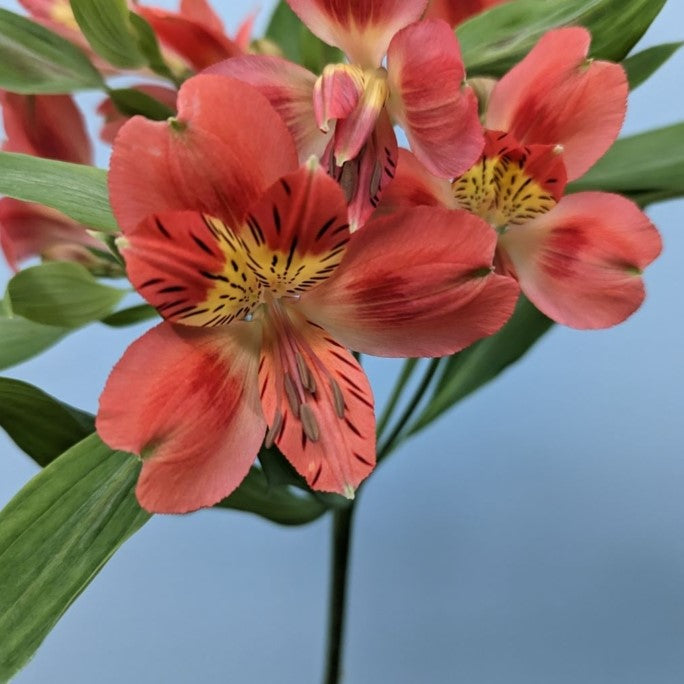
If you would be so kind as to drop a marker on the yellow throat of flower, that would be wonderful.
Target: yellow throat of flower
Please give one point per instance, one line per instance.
(513, 185)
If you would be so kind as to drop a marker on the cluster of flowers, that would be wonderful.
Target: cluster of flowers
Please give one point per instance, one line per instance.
(275, 225)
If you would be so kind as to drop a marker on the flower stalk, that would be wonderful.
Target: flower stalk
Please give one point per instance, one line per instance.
(342, 521)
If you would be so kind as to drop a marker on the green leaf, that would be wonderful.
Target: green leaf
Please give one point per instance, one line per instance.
(40, 425)
(130, 316)
(61, 293)
(279, 504)
(21, 339)
(298, 43)
(149, 46)
(106, 26)
(35, 60)
(647, 167)
(641, 66)
(492, 42)
(483, 361)
(131, 102)
(55, 536)
(74, 189)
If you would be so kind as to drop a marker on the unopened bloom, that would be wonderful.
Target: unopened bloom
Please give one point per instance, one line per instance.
(249, 258)
(578, 258)
(420, 87)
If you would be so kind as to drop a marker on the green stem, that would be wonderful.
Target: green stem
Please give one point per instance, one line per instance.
(341, 541)
(392, 441)
(405, 375)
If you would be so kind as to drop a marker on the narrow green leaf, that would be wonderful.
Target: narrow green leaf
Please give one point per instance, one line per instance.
(483, 361)
(74, 189)
(279, 504)
(106, 26)
(21, 339)
(494, 41)
(130, 316)
(642, 65)
(131, 102)
(149, 46)
(35, 60)
(647, 167)
(61, 293)
(40, 425)
(297, 42)
(55, 536)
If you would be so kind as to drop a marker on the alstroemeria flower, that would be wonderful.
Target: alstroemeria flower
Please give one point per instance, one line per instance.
(455, 12)
(249, 258)
(48, 126)
(196, 33)
(558, 96)
(578, 258)
(420, 87)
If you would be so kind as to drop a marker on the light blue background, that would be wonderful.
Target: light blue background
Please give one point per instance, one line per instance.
(535, 535)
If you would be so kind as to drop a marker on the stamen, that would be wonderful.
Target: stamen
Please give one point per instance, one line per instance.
(274, 429)
(309, 423)
(292, 396)
(338, 398)
(305, 374)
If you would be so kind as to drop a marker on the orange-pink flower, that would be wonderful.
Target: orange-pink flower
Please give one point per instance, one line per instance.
(345, 115)
(249, 258)
(48, 126)
(578, 258)
(195, 33)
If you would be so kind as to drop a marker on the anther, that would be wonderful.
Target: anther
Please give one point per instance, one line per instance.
(309, 423)
(338, 398)
(292, 396)
(274, 429)
(305, 374)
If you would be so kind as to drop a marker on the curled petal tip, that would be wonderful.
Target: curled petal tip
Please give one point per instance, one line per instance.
(176, 124)
(122, 243)
(348, 492)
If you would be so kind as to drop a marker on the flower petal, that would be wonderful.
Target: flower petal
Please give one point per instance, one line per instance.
(289, 89)
(198, 271)
(416, 283)
(296, 234)
(353, 131)
(318, 405)
(186, 400)
(56, 14)
(114, 119)
(415, 186)
(48, 126)
(581, 263)
(336, 93)
(429, 100)
(363, 28)
(29, 230)
(456, 11)
(201, 12)
(192, 268)
(556, 96)
(365, 177)
(224, 149)
(511, 183)
(200, 45)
